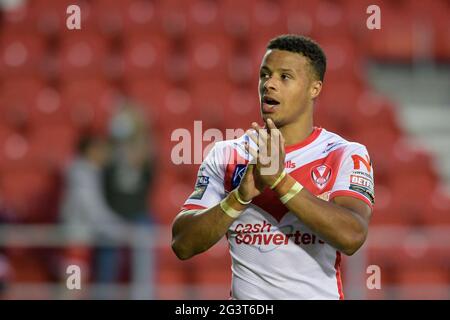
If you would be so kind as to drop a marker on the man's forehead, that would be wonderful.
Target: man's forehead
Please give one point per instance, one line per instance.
(281, 59)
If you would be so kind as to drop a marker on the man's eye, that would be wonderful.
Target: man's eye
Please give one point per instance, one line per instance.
(264, 75)
(285, 76)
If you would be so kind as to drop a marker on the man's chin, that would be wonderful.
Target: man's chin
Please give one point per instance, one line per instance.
(275, 120)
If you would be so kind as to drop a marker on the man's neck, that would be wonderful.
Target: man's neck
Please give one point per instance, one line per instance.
(298, 131)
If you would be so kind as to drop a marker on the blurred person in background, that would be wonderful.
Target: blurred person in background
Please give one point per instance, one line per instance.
(85, 210)
(127, 181)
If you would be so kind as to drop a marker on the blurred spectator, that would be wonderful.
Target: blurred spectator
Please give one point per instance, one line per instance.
(127, 182)
(128, 176)
(85, 210)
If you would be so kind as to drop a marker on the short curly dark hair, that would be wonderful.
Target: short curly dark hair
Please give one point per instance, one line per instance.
(305, 46)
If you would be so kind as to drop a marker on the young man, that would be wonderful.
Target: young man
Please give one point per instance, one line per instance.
(286, 227)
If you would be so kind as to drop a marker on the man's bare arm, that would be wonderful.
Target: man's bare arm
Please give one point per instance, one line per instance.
(342, 223)
(195, 231)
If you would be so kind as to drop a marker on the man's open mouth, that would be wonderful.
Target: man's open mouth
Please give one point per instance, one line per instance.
(269, 104)
(270, 101)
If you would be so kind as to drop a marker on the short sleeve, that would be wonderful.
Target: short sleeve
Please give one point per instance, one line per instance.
(355, 176)
(209, 187)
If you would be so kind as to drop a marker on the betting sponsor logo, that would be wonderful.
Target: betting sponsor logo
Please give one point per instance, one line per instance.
(361, 181)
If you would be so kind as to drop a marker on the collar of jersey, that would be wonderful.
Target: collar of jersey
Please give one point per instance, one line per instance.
(313, 136)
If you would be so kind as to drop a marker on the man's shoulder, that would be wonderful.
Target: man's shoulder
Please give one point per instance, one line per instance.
(224, 147)
(226, 152)
(332, 141)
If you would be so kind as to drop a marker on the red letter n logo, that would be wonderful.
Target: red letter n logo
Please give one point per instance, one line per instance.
(357, 159)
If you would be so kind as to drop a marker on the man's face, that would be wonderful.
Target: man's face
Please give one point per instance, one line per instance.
(284, 86)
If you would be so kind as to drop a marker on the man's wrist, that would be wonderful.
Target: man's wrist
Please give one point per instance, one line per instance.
(240, 198)
(278, 180)
(288, 188)
(239, 195)
(285, 185)
(233, 202)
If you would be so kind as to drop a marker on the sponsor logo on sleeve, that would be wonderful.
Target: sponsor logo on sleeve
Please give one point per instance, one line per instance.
(200, 187)
(362, 183)
(357, 160)
(238, 174)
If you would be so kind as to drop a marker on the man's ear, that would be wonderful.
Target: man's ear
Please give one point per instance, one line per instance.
(316, 87)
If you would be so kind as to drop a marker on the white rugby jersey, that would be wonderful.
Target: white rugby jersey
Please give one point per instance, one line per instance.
(274, 255)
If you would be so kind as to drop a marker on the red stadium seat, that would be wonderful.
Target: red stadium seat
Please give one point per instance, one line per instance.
(441, 30)
(423, 283)
(242, 70)
(14, 147)
(141, 16)
(174, 18)
(414, 200)
(89, 102)
(384, 211)
(396, 43)
(21, 55)
(237, 18)
(145, 55)
(437, 212)
(243, 108)
(29, 267)
(202, 16)
(14, 104)
(210, 102)
(337, 102)
(343, 60)
(110, 16)
(177, 67)
(82, 56)
(48, 109)
(169, 197)
(209, 56)
(19, 19)
(166, 106)
(300, 16)
(171, 273)
(62, 140)
(28, 189)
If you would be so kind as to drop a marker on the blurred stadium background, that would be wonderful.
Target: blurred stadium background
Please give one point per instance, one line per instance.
(181, 61)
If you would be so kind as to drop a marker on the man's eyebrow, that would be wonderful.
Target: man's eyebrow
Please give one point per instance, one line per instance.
(286, 70)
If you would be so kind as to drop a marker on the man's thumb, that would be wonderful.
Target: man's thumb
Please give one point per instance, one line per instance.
(248, 170)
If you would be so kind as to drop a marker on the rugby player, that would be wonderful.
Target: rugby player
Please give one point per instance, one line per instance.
(286, 227)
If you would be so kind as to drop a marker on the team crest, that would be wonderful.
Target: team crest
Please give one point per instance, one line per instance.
(320, 175)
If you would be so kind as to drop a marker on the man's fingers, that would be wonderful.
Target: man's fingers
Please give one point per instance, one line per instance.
(270, 124)
(249, 169)
(252, 152)
(257, 139)
(261, 131)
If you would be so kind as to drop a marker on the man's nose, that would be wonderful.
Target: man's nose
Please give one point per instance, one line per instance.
(270, 84)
